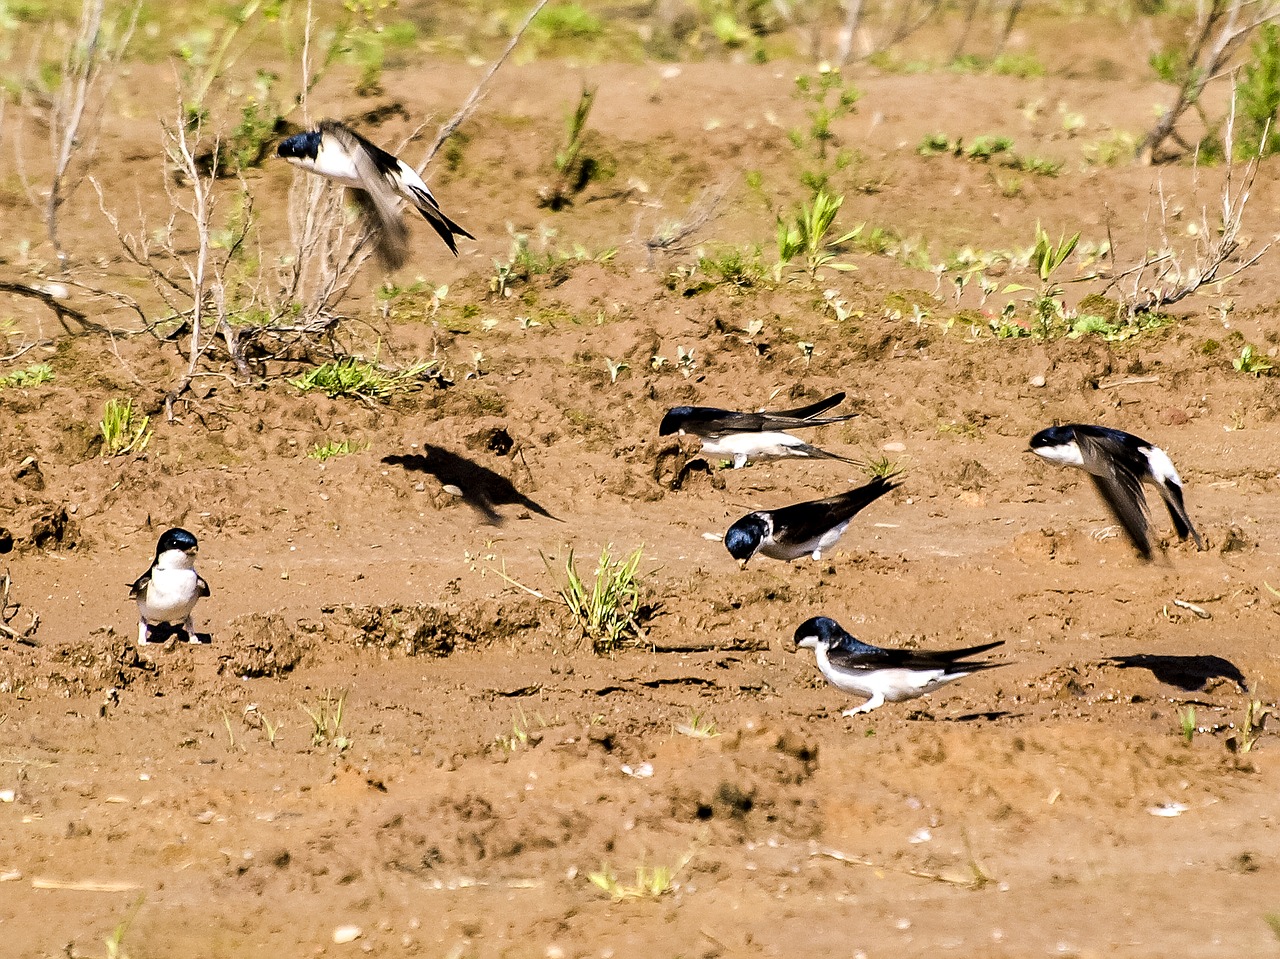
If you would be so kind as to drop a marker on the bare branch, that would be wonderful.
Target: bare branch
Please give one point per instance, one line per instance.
(469, 105)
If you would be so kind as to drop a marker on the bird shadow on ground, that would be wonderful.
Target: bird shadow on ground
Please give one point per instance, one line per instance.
(1189, 673)
(480, 487)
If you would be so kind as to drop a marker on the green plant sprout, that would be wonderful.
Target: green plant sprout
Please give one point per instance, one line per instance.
(333, 448)
(1187, 723)
(807, 234)
(652, 882)
(361, 378)
(699, 726)
(1046, 303)
(1243, 737)
(574, 168)
(326, 720)
(827, 98)
(121, 431)
(37, 374)
(609, 612)
(1251, 362)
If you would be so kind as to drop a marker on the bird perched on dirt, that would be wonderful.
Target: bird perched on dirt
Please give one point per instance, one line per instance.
(753, 436)
(805, 528)
(167, 593)
(883, 675)
(1119, 463)
(378, 180)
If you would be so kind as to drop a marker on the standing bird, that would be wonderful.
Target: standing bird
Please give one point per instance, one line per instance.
(168, 591)
(753, 436)
(803, 529)
(883, 675)
(378, 181)
(1119, 463)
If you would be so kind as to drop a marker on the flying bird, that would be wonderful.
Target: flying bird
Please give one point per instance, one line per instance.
(753, 436)
(167, 593)
(1119, 463)
(883, 675)
(803, 529)
(378, 180)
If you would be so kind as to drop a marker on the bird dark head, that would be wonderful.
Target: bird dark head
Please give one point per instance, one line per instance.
(744, 537)
(1051, 437)
(300, 146)
(675, 419)
(819, 629)
(176, 538)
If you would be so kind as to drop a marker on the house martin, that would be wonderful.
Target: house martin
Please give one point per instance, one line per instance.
(805, 528)
(1119, 463)
(753, 436)
(883, 675)
(378, 180)
(168, 591)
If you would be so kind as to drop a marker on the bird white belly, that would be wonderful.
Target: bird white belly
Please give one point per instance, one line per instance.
(752, 445)
(335, 164)
(170, 596)
(820, 544)
(893, 685)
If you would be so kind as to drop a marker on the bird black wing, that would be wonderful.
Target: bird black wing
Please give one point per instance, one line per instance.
(854, 654)
(805, 521)
(1107, 459)
(711, 421)
(139, 585)
(202, 587)
(377, 196)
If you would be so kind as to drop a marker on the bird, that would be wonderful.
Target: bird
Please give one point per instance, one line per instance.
(883, 675)
(802, 529)
(1119, 463)
(753, 436)
(168, 592)
(378, 181)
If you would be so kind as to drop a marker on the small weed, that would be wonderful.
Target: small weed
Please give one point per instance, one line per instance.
(807, 234)
(734, 267)
(360, 378)
(326, 721)
(574, 168)
(37, 374)
(122, 431)
(1187, 723)
(985, 147)
(881, 466)
(1244, 736)
(1272, 919)
(1251, 362)
(698, 727)
(615, 368)
(652, 882)
(1258, 97)
(827, 98)
(608, 613)
(115, 941)
(333, 448)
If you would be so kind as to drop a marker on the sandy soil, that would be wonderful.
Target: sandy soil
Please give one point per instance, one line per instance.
(488, 760)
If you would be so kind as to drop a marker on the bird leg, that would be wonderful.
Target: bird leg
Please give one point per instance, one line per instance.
(874, 702)
(144, 632)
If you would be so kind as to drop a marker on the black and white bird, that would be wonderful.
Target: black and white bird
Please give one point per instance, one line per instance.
(883, 675)
(753, 436)
(805, 529)
(379, 181)
(1119, 463)
(167, 593)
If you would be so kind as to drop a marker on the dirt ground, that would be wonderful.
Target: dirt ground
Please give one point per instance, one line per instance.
(487, 760)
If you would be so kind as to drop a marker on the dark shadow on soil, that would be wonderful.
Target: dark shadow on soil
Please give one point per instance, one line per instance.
(1189, 673)
(482, 489)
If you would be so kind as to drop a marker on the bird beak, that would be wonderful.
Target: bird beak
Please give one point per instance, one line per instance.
(742, 564)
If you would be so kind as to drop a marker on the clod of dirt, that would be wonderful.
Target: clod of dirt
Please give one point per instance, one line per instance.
(54, 530)
(261, 645)
(674, 467)
(28, 474)
(103, 661)
(417, 630)
(6, 540)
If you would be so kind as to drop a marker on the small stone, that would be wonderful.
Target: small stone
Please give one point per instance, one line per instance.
(894, 447)
(1037, 381)
(206, 817)
(344, 934)
(7, 795)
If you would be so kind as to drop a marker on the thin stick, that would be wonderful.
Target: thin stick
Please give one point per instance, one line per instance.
(471, 102)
